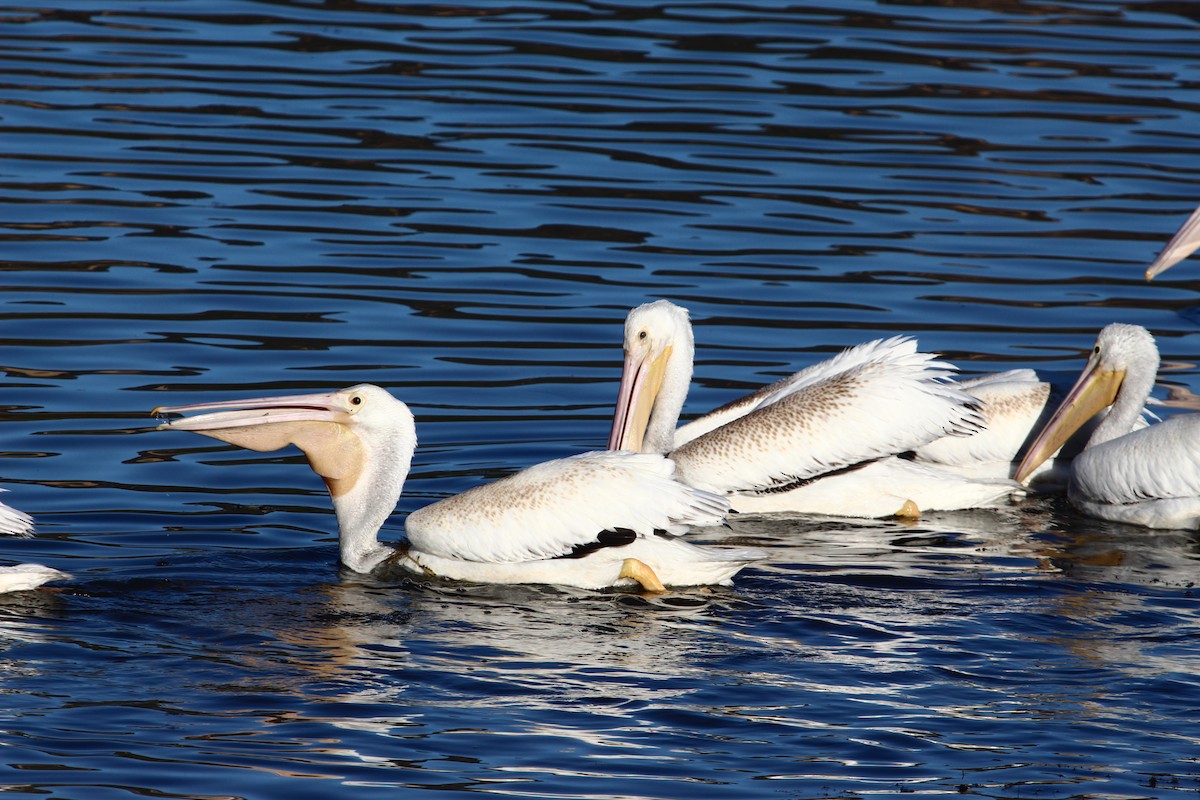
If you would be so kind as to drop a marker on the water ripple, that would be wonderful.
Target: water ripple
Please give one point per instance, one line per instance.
(461, 203)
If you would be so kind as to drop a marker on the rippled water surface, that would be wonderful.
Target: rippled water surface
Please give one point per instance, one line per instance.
(203, 200)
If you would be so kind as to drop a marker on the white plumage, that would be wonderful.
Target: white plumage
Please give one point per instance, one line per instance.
(825, 440)
(1011, 403)
(22, 577)
(1147, 476)
(561, 504)
(14, 522)
(592, 520)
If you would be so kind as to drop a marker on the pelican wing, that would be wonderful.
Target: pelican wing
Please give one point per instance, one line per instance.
(899, 349)
(553, 508)
(15, 522)
(833, 419)
(21, 577)
(1012, 403)
(1160, 461)
(1021, 377)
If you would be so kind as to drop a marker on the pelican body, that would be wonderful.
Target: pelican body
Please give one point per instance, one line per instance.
(1148, 476)
(827, 440)
(593, 520)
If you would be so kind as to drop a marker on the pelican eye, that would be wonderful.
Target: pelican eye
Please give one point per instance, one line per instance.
(356, 400)
(641, 334)
(1096, 350)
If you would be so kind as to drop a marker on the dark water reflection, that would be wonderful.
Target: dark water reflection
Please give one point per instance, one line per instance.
(201, 200)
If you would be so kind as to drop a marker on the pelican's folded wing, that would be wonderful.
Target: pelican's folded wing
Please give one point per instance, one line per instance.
(1013, 403)
(873, 409)
(879, 354)
(556, 507)
(1157, 462)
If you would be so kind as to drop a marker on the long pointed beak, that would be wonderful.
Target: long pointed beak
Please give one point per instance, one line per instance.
(1185, 242)
(641, 380)
(225, 414)
(1094, 391)
(316, 423)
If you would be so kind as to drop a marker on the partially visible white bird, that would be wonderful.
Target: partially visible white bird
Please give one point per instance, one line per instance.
(827, 440)
(1012, 404)
(1148, 476)
(21, 577)
(590, 521)
(1015, 405)
(1185, 242)
(14, 522)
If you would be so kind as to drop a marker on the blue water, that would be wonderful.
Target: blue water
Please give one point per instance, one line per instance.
(205, 200)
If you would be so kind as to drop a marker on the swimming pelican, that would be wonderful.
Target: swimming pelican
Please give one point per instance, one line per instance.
(1185, 242)
(1148, 477)
(21, 577)
(826, 440)
(590, 521)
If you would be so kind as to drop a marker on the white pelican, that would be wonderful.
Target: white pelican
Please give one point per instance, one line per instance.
(1185, 242)
(590, 521)
(826, 440)
(21, 577)
(1148, 476)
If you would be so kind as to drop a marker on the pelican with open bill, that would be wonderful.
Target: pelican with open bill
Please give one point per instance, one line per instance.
(593, 520)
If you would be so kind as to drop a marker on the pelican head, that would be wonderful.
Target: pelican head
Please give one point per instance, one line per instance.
(360, 441)
(1120, 373)
(658, 368)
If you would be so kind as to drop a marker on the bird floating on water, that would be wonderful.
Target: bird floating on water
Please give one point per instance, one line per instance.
(1185, 242)
(590, 521)
(1147, 476)
(827, 440)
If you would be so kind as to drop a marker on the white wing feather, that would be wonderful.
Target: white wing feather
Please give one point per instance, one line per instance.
(22, 577)
(1012, 403)
(851, 358)
(875, 400)
(546, 510)
(14, 522)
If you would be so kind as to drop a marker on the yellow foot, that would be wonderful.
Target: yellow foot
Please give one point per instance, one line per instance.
(640, 571)
(908, 511)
